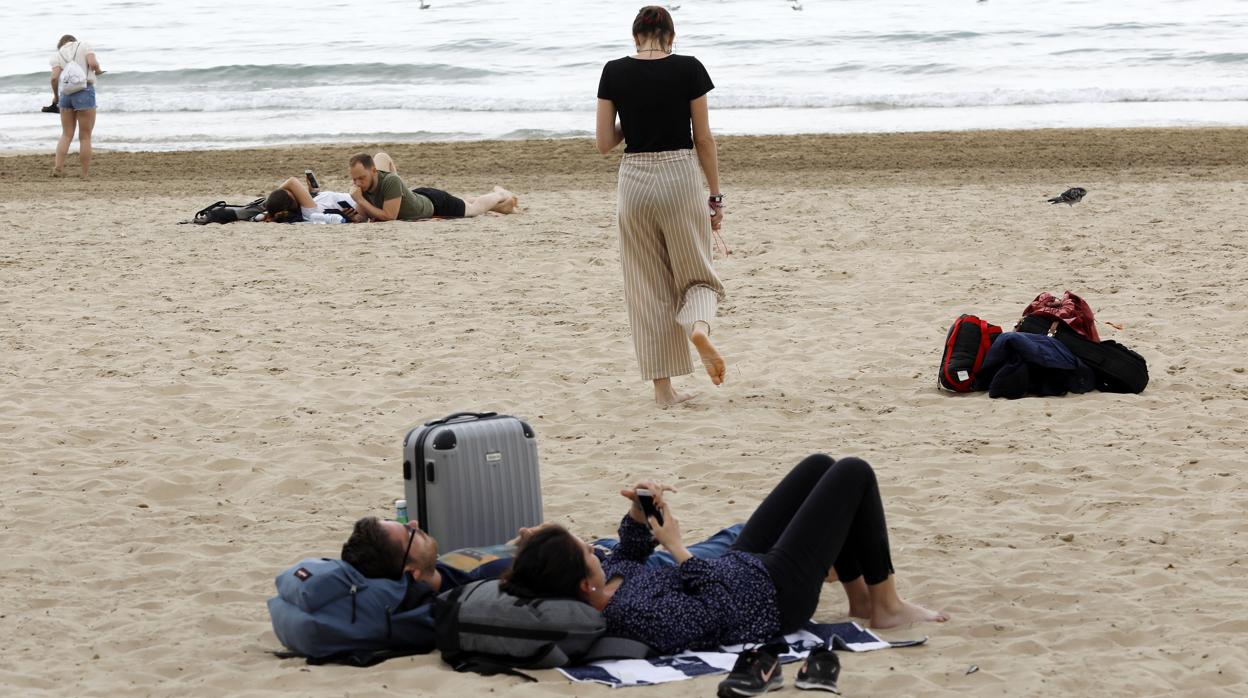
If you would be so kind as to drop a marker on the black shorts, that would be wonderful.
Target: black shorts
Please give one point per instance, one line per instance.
(444, 205)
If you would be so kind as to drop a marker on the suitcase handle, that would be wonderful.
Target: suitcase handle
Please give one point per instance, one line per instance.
(457, 415)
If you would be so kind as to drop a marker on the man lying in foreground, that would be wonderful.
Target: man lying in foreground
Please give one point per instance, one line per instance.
(382, 196)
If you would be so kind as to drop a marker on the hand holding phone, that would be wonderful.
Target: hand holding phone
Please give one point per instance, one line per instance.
(645, 499)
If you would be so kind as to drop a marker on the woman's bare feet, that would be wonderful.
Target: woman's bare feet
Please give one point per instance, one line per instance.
(857, 594)
(385, 163)
(903, 613)
(508, 204)
(711, 360)
(666, 396)
(58, 172)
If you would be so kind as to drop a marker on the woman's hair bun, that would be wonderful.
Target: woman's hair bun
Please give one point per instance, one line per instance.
(653, 19)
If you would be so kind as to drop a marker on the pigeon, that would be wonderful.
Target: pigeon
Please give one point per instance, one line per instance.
(1070, 197)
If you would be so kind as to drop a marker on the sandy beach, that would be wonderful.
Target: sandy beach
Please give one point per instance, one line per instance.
(188, 410)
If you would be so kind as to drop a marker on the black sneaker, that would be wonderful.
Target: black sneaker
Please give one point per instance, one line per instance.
(820, 671)
(756, 672)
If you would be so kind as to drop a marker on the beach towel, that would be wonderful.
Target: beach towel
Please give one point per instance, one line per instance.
(848, 637)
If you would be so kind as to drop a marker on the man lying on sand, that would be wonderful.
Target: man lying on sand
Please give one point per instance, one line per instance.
(382, 196)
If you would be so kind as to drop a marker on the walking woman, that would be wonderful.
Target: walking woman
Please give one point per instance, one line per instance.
(670, 288)
(76, 98)
(825, 515)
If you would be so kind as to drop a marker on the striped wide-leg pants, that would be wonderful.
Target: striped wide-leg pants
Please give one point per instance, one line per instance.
(665, 249)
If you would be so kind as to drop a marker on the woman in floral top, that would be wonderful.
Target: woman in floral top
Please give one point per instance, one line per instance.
(825, 513)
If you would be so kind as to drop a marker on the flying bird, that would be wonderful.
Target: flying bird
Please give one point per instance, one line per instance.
(1070, 197)
(673, 8)
(424, 5)
(796, 5)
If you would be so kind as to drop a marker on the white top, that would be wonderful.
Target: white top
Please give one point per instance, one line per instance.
(324, 200)
(61, 58)
(327, 199)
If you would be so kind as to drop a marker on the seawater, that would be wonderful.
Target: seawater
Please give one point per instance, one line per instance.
(188, 74)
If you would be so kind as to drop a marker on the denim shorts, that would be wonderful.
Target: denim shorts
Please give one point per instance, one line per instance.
(82, 99)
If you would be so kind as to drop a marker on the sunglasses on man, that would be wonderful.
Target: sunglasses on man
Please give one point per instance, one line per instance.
(411, 536)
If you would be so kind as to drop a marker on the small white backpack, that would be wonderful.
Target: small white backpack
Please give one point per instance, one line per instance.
(73, 77)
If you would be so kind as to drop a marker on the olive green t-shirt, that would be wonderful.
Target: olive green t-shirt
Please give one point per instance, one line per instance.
(413, 207)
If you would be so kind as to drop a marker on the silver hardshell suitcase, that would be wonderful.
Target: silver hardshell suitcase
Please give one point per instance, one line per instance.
(472, 478)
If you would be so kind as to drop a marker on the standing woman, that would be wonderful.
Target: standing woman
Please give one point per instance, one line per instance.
(78, 108)
(670, 288)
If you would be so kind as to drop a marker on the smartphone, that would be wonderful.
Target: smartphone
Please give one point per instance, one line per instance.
(344, 205)
(646, 500)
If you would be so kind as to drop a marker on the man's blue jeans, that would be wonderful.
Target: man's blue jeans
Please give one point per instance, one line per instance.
(708, 549)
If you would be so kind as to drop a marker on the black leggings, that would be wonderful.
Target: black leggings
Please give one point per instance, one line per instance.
(823, 513)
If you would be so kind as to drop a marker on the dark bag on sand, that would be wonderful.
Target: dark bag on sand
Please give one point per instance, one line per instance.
(328, 612)
(1117, 368)
(222, 212)
(482, 629)
(966, 345)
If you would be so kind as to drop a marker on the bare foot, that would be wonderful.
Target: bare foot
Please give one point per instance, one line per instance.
(669, 397)
(856, 593)
(905, 614)
(711, 360)
(57, 172)
(508, 204)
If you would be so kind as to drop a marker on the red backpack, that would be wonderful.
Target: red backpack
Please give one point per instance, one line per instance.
(966, 345)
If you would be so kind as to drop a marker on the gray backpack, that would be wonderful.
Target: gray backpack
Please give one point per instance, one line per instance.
(481, 628)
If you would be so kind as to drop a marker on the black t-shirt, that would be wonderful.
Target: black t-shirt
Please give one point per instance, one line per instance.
(652, 98)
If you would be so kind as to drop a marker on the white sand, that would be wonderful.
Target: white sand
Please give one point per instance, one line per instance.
(186, 411)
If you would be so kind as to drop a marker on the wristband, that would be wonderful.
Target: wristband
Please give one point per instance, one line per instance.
(715, 199)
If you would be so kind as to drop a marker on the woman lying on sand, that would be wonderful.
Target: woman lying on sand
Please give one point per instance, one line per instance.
(824, 514)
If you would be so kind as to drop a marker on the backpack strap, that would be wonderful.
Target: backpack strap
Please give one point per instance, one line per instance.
(204, 211)
(477, 664)
(356, 658)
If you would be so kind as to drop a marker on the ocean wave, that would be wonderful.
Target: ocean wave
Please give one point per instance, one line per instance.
(333, 99)
(255, 76)
(201, 141)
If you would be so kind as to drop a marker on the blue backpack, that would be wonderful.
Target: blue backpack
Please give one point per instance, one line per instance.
(326, 611)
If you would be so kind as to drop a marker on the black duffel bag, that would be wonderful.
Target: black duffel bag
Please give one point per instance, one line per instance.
(1117, 368)
(222, 212)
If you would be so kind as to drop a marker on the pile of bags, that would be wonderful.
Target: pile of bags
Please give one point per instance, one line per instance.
(1054, 349)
